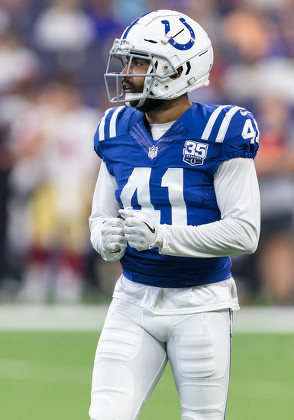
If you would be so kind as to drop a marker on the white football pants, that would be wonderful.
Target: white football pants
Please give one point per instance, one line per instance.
(134, 348)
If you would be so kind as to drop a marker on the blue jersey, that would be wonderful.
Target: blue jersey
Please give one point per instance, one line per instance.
(172, 180)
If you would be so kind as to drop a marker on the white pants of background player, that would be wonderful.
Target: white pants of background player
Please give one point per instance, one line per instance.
(132, 353)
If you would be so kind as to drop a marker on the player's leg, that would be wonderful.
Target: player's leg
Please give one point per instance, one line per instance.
(128, 363)
(199, 354)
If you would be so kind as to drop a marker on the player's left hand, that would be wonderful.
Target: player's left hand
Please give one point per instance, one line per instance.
(140, 232)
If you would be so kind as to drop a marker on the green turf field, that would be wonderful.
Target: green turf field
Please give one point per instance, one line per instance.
(46, 375)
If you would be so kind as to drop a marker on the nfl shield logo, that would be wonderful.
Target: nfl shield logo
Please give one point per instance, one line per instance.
(152, 152)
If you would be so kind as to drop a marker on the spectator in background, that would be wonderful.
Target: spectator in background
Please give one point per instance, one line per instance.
(56, 169)
(247, 43)
(286, 27)
(4, 19)
(63, 32)
(12, 105)
(20, 68)
(107, 20)
(5, 164)
(259, 65)
(22, 14)
(19, 65)
(275, 168)
(106, 24)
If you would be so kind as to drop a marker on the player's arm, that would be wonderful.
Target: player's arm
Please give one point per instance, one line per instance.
(107, 229)
(237, 232)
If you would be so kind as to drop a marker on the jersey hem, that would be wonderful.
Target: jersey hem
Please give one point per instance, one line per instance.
(187, 311)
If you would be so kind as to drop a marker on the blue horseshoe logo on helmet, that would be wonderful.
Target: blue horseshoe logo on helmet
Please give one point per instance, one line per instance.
(175, 44)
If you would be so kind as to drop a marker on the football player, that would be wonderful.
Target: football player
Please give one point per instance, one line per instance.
(176, 196)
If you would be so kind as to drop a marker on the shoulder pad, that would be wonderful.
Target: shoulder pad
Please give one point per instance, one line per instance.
(114, 122)
(235, 128)
(111, 121)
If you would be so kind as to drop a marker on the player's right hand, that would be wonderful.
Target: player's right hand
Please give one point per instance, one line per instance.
(113, 239)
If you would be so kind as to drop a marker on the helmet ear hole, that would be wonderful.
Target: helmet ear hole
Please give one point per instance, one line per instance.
(179, 73)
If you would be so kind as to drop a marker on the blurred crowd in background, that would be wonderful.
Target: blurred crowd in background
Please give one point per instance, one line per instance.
(53, 56)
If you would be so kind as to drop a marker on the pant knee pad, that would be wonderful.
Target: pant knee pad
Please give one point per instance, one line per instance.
(203, 401)
(112, 393)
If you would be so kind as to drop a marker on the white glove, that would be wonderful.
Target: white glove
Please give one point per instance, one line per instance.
(113, 239)
(140, 232)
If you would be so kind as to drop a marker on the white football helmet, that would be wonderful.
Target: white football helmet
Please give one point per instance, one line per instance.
(169, 40)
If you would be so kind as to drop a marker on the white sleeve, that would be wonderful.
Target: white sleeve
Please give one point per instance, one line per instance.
(104, 205)
(237, 232)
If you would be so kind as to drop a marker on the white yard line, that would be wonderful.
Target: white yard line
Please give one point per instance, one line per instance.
(91, 318)
(52, 318)
(264, 320)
